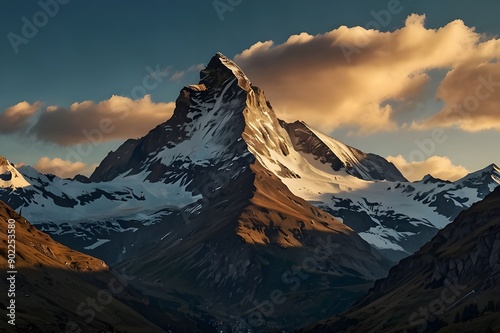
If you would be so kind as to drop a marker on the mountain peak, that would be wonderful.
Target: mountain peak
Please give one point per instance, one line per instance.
(9, 176)
(493, 167)
(485, 179)
(3, 161)
(205, 129)
(428, 178)
(219, 69)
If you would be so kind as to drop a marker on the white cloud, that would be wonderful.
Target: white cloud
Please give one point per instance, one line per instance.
(196, 68)
(177, 76)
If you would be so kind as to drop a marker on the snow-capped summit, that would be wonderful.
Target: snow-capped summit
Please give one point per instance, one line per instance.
(428, 178)
(9, 176)
(204, 132)
(484, 180)
(223, 63)
(223, 118)
(485, 175)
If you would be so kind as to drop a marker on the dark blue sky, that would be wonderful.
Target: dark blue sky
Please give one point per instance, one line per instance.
(93, 49)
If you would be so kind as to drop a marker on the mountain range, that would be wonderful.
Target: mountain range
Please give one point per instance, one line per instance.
(229, 213)
(450, 285)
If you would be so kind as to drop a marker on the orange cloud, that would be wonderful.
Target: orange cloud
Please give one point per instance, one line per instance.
(437, 166)
(349, 76)
(471, 93)
(63, 168)
(116, 118)
(16, 118)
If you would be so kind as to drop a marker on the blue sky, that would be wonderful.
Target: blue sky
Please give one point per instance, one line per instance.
(92, 50)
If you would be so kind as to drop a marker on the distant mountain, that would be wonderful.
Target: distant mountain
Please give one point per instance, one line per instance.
(399, 217)
(190, 206)
(452, 284)
(9, 176)
(371, 196)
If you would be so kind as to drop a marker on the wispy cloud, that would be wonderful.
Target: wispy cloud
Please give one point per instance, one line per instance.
(177, 76)
(196, 68)
(180, 74)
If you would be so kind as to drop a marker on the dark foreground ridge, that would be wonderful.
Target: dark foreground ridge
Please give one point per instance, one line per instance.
(58, 289)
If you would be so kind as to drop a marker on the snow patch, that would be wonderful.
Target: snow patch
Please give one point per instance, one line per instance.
(97, 244)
